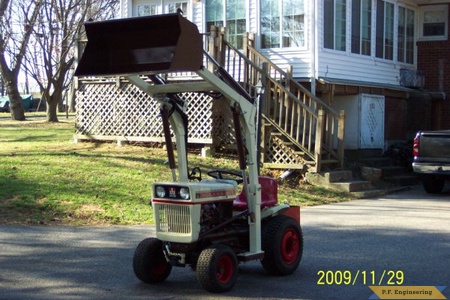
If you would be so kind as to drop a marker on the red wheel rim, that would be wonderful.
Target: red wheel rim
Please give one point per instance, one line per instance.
(224, 270)
(290, 246)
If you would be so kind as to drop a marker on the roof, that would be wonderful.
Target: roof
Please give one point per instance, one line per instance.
(367, 84)
(414, 93)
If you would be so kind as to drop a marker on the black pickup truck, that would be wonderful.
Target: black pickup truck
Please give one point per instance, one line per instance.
(431, 152)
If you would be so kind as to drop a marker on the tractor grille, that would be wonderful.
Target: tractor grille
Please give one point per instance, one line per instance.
(174, 218)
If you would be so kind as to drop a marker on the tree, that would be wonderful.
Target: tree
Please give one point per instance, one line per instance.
(51, 61)
(17, 19)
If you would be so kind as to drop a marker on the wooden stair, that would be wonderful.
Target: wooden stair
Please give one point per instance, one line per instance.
(339, 180)
(299, 130)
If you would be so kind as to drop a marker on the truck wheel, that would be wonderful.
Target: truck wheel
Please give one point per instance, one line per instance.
(149, 262)
(432, 185)
(217, 269)
(282, 242)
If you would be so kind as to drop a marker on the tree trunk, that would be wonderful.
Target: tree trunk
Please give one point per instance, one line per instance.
(15, 101)
(52, 109)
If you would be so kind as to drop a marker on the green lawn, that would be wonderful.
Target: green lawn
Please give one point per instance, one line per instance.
(46, 178)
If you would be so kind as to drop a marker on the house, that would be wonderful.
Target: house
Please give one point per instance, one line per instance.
(386, 63)
(380, 65)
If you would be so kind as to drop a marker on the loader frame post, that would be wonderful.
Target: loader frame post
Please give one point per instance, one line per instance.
(168, 139)
(176, 122)
(247, 120)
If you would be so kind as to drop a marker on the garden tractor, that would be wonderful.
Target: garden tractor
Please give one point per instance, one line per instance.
(210, 224)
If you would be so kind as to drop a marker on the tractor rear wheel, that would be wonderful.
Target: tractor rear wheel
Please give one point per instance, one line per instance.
(282, 242)
(217, 268)
(149, 262)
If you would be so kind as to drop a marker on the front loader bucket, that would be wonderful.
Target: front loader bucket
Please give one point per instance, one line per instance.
(154, 44)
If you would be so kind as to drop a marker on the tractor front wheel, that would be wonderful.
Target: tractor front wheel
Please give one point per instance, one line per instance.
(217, 269)
(282, 242)
(149, 262)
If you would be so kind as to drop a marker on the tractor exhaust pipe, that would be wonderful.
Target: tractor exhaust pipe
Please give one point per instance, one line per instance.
(144, 45)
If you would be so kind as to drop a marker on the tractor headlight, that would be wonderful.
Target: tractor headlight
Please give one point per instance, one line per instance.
(184, 193)
(160, 191)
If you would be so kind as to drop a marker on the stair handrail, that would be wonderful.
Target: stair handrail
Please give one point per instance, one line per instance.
(250, 68)
(284, 76)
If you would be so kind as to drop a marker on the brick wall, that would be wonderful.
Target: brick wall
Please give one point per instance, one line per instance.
(434, 60)
(395, 122)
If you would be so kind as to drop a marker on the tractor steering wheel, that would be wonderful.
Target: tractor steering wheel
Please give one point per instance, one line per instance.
(228, 175)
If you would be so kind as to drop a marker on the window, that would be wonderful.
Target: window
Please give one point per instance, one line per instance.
(270, 24)
(156, 8)
(385, 30)
(379, 28)
(282, 23)
(434, 22)
(405, 44)
(147, 10)
(214, 13)
(361, 26)
(235, 27)
(335, 24)
(229, 14)
(172, 7)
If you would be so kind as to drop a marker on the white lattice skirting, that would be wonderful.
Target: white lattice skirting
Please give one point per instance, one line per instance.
(106, 110)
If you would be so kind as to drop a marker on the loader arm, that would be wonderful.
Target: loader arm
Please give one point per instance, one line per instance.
(170, 43)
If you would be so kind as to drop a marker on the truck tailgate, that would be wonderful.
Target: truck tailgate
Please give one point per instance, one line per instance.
(435, 145)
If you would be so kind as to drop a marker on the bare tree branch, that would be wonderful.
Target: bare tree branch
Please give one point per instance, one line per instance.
(16, 27)
(61, 22)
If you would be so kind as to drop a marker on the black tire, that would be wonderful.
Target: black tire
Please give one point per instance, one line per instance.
(282, 242)
(217, 269)
(149, 262)
(432, 185)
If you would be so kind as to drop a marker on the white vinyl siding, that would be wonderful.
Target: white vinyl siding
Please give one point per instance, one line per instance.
(357, 68)
(300, 61)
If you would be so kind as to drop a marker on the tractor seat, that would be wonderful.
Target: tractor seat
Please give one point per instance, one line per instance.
(269, 194)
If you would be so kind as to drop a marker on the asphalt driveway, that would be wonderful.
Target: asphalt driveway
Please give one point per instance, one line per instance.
(403, 237)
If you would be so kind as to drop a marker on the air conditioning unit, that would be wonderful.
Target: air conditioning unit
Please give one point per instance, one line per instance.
(412, 78)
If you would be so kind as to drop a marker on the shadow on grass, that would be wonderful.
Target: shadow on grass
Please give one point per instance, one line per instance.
(19, 202)
(32, 138)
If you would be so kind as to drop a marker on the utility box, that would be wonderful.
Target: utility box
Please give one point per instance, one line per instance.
(364, 120)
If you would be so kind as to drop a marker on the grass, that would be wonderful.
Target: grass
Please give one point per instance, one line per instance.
(45, 178)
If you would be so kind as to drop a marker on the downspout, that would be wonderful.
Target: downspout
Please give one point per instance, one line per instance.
(314, 46)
